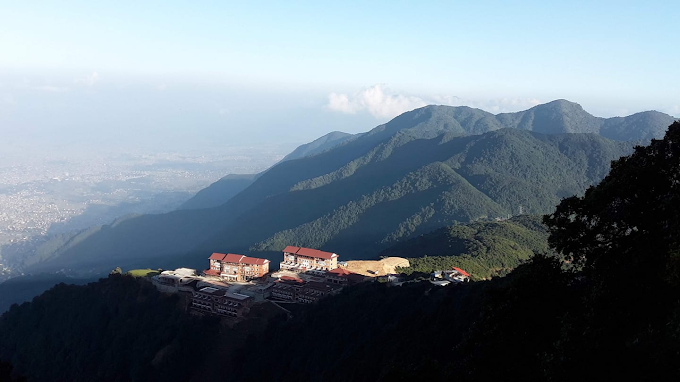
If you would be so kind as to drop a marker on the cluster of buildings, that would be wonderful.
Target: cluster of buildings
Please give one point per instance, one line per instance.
(206, 296)
(305, 275)
(233, 282)
(313, 287)
(446, 277)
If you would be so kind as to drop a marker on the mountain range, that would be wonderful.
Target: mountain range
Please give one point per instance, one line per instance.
(357, 195)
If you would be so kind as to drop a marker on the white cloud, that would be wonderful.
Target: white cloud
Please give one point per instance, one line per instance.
(341, 103)
(162, 87)
(382, 103)
(89, 80)
(377, 100)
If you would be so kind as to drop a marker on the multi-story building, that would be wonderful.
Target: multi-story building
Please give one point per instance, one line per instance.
(286, 288)
(218, 301)
(234, 267)
(306, 292)
(300, 259)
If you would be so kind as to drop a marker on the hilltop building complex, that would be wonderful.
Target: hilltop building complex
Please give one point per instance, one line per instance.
(233, 282)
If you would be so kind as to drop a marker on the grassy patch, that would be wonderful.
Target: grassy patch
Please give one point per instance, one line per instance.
(142, 272)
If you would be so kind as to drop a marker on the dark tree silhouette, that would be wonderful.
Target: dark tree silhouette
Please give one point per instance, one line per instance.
(624, 232)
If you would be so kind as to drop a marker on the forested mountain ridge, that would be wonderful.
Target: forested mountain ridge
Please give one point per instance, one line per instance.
(559, 116)
(484, 249)
(425, 184)
(283, 198)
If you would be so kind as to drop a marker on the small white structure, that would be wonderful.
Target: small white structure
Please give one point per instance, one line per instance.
(173, 281)
(454, 275)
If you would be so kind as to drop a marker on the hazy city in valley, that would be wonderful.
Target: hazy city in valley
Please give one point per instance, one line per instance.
(61, 192)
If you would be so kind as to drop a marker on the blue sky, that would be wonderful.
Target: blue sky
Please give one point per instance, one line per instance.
(291, 71)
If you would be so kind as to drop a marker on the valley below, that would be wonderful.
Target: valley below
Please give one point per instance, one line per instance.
(43, 197)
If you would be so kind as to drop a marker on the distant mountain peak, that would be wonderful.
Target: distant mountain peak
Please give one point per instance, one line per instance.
(555, 117)
(562, 102)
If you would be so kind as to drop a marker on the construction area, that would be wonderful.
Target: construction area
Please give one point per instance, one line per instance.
(374, 268)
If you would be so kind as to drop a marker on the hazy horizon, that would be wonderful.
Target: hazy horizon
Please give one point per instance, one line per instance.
(178, 77)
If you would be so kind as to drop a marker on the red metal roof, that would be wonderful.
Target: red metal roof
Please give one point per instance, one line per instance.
(211, 272)
(290, 278)
(233, 258)
(236, 259)
(340, 272)
(254, 261)
(462, 272)
(291, 249)
(316, 253)
(217, 256)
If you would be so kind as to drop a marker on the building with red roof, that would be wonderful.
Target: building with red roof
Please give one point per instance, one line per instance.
(234, 267)
(462, 272)
(301, 259)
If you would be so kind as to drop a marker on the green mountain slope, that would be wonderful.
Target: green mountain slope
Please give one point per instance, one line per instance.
(483, 249)
(319, 145)
(500, 171)
(227, 187)
(415, 187)
(219, 192)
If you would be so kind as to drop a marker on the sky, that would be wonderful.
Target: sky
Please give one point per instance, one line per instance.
(178, 74)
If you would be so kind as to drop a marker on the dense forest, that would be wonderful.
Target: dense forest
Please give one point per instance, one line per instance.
(24, 288)
(484, 249)
(612, 314)
(118, 329)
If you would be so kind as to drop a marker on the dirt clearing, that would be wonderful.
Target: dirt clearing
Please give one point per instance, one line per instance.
(375, 268)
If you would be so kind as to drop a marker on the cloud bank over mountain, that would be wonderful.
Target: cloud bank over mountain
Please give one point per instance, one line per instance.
(377, 100)
(381, 102)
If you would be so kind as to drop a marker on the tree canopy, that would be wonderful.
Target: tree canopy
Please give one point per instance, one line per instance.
(624, 233)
